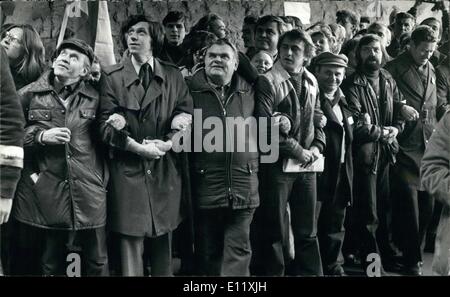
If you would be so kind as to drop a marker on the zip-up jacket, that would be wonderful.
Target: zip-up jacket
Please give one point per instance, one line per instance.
(226, 177)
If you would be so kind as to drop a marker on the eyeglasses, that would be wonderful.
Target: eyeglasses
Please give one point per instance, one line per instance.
(13, 38)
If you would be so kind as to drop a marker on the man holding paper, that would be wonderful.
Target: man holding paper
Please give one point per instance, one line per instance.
(289, 91)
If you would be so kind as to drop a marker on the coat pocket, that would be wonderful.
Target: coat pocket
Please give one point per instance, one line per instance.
(39, 115)
(245, 181)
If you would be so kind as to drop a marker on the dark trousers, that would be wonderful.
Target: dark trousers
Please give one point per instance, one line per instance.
(299, 189)
(331, 233)
(414, 211)
(223, 241)
(57, 243)
(372, 207)
(24, 248)
(158, 248)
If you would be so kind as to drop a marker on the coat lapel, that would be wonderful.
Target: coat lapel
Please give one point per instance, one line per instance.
(135, 90)
(411, 75)
(154, 90)
(431, 82)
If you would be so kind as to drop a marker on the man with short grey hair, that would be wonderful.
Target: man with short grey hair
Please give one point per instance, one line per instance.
(225, 181)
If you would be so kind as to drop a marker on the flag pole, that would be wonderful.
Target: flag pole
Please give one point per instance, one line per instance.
(63, 27)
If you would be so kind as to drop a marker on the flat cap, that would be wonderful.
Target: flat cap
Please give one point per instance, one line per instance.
(327, 58)
(78, 45)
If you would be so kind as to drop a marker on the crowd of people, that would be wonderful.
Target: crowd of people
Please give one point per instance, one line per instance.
(101, 172)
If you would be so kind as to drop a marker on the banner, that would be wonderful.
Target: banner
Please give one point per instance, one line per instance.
(89, 21)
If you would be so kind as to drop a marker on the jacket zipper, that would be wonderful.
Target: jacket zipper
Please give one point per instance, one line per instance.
(69, 176)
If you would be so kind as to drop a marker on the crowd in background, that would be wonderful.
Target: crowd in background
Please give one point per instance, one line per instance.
(99, 174)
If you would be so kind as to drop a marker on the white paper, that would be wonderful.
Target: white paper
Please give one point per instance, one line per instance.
(301, 10)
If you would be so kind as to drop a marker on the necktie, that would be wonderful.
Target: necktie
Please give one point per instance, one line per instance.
(145, 75)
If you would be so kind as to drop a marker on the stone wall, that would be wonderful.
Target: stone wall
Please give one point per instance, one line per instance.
(46, 16)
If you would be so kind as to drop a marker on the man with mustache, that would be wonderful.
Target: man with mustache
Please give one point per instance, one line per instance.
(375, 101)
(174, 32)
(143, 100)
(416, 79)
(225, 181)
(62, 188)
(291, 91)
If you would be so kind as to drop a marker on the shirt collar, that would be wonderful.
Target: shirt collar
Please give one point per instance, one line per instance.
(137, 66)
(59, 87)
(335, 98)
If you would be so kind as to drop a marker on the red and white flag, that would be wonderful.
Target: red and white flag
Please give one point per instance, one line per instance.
(89, 21)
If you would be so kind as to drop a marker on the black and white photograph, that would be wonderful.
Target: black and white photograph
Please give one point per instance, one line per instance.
(197, 140)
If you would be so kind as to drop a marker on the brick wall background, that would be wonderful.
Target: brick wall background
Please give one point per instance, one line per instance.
(46, 16)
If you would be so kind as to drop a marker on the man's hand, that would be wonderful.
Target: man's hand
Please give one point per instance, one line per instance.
(150, 151)
(117, 121)
(389, 134)
(181, 121)
(283, 122)
(306, 157)
(409, 113)
(320, 121)
(163, 146)
(5, 209)
(56, 136)
(316, 152)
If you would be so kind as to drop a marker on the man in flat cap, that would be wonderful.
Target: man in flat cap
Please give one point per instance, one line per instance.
(375, 101)
(334, 192)
(62, 188)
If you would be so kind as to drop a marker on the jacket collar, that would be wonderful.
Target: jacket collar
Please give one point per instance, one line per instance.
(130, 73)
(280, 74)
(200, 84)
(44, 84)
(360, 78)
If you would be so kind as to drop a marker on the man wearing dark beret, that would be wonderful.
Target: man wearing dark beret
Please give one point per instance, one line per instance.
(62, 188)
(334, 192)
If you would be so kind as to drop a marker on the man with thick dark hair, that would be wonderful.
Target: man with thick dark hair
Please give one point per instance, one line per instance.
(142, 99)
(349, 21)
(375, 100)
(292, 92)
(268, 30)
(416, 79)
(174, 32)
(404, 22)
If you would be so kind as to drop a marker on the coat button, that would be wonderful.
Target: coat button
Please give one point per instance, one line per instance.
(63, 111)
(68, 156)
(149, 172)
(66, 181)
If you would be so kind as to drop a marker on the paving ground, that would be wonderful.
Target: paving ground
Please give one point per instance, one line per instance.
(426, 268)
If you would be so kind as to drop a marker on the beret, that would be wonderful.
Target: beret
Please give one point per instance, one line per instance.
(327, 58)
(78, 45)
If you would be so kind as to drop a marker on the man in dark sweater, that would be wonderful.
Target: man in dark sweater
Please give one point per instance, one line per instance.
(175, 31)
(11, 141)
